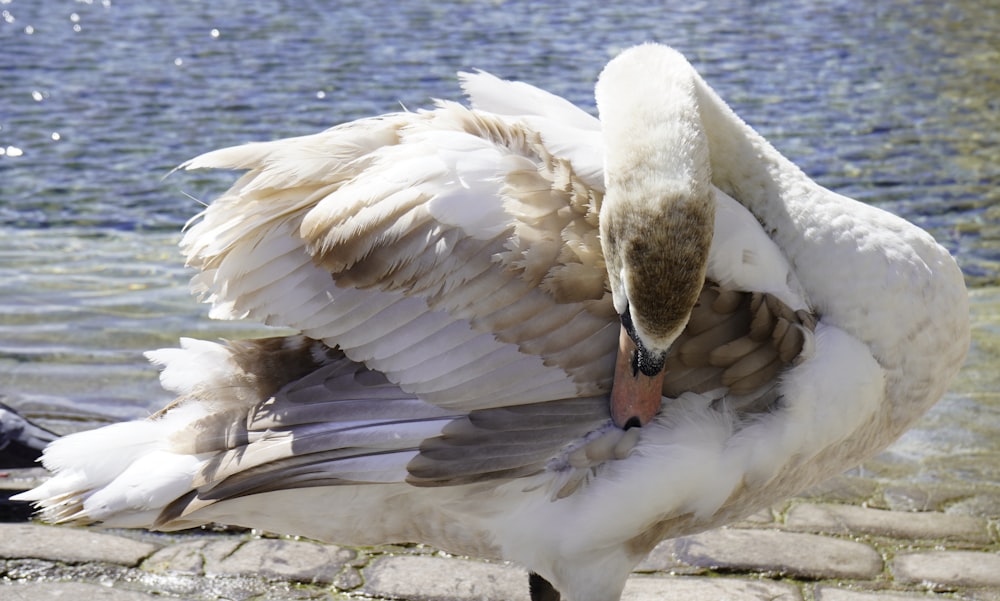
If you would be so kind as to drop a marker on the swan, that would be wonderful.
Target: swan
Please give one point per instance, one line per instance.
(530, 334)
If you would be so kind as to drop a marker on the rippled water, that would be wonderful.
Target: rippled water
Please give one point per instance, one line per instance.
(895, 103)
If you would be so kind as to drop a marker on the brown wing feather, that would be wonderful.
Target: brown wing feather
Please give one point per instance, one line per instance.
(739, 340)
(504, 442)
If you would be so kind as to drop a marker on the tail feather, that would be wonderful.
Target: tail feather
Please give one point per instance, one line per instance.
(124, 467)
(125, 474)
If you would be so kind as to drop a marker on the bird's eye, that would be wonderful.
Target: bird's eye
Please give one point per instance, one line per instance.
(642, 359)
(626, 319)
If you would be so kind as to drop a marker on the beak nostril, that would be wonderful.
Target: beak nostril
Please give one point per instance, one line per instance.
(633, 422)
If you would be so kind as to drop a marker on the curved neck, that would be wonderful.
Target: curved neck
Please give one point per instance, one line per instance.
(657, 216)
(876, 276)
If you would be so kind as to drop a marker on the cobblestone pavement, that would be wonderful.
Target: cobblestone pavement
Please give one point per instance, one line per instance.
(818, 548)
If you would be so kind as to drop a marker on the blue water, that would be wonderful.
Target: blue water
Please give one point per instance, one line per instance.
(894, 103)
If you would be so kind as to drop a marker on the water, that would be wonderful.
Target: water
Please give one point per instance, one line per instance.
(894, 103)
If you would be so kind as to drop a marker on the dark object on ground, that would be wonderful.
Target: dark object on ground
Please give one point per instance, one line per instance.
(541, 589)
(14, 511)
(21, 442)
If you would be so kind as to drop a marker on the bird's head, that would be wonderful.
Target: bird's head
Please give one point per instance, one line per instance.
(656, 269)
(658, 213)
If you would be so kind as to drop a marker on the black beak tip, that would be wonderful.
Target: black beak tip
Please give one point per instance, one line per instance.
(633, 422)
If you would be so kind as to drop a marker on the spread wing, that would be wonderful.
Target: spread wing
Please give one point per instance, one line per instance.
(344, 424)
(322, 419)
(456, 252)
(445, 271)
(447, 249)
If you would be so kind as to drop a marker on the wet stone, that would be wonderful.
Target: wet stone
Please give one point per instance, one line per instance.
(273, 559)
(663, 558)
(981, 594)
(848, 519)
(762, 518)
(948, 569)
(843, 489)
(980, 504)
(70, 545)
(776, 552)
(912, 497)
(682, 588)
(229, 588)
(348, 579)
(423, 578)
(70, 591)
(188, 557)
(20, 479)
(832, 593)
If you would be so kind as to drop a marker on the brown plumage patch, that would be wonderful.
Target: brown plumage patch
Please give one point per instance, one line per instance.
(555, 243)
(741, 340)
(274, 362)
(656, 231)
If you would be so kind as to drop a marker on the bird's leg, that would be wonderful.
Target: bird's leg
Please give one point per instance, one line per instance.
(541, 589)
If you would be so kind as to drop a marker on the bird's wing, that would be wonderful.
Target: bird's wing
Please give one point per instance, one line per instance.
(454, 250)
(448, 264)
(448, 249)
(292, 412)
(567, 131)
(321, 419)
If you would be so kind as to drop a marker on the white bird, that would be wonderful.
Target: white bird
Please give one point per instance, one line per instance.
(461, 278)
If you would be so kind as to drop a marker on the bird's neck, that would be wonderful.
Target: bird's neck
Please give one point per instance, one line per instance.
(658, 212)
(883, 280)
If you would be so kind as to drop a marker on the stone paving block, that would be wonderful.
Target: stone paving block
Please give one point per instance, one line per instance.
(663, 558)
(70, 591)
(844, 489)
(189, 557)
(25, 478)
(914, 497)
(760, 519)
(945, 569)
(70, 545)
(287, 560)
(349, 579)
(849, 519)
(833, 593)
(787, 553)
(684, 588)
(424, 578)
(275, 559)
(987, 503)
(981, 594)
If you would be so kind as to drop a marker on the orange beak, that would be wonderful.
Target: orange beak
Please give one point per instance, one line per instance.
(635, 397)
